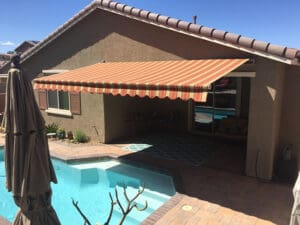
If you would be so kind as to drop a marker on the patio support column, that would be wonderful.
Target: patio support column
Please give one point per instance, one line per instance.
(264, 118)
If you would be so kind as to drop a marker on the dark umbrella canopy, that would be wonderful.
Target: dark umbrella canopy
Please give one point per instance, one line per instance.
(29, 170)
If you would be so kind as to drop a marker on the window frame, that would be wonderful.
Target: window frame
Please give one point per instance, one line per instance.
(58, 111)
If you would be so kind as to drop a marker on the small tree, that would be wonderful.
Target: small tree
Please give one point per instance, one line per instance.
(131, 204)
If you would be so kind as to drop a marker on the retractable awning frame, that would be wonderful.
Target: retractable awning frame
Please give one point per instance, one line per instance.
(184, 79)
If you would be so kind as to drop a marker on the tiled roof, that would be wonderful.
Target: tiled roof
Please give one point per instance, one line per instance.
(4, 62)
(276, 52)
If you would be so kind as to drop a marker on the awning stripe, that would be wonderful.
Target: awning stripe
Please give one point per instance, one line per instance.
(184, 79)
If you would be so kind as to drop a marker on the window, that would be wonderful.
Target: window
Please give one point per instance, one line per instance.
(226, 109)
(58, 100)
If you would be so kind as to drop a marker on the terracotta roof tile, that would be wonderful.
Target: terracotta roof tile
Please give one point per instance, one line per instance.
(206, 31)
(163, 19)
(153, 17)
(219, 34)
(113, 5)
(260, 45)
(120, 7)
(276, 49)
(105, 2)
(136, 12)
(247, 44)
(195, 28)
(291, 52)
(128, 9)
(232, 38)
(183, 25)
(144, 14)
(172, 22)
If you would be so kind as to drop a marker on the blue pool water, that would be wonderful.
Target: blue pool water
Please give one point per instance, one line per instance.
(89, 183)
(205, 115)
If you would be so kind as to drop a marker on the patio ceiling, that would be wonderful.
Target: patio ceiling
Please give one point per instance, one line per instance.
(184, 79)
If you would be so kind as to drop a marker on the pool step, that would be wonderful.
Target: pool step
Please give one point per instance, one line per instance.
(154, 200)
(130, 219)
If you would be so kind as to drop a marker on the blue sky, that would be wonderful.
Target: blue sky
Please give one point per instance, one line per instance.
(275, 21)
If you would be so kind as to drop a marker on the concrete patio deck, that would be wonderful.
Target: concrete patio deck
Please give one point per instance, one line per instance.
(205, 196)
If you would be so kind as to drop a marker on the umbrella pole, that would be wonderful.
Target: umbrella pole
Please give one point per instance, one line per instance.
(2, 122)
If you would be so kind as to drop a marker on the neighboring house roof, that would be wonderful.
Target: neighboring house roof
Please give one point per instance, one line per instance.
(2, 63)
(29, 43)
(251, 45)
(4, 58)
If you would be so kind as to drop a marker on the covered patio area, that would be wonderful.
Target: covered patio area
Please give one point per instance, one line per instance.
(188, 149)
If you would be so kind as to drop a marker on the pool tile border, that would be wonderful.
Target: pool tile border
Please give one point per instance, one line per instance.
(161, 211)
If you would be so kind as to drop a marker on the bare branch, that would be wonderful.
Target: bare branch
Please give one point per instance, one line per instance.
(130, 203)
(111, 209)
(86, 221)
(125, 193)
(142, 209)
(118, 201)
(140, 191)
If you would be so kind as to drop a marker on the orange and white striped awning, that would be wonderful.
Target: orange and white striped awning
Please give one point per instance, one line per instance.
(185, 79)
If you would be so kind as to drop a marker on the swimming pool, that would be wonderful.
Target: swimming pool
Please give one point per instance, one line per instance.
(89, 183)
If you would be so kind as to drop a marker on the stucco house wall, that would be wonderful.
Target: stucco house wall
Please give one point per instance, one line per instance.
(91, 119)
(290, 120)
(264, 117)
(128, 116)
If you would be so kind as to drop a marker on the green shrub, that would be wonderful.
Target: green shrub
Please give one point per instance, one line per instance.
(61, 133)
(80, 136)
(51, 128)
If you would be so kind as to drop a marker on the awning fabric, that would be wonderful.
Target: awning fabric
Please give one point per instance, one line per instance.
(185, 79)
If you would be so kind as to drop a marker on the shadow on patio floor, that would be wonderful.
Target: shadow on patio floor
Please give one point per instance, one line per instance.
(218, 178)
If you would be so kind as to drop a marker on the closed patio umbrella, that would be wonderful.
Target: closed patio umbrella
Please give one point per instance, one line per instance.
(29, 170)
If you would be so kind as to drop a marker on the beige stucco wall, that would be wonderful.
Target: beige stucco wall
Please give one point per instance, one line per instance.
(127, 116)
(264, 117)
(91, 119)
(290, 120)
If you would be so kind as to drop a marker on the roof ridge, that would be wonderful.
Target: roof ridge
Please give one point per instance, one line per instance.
(222, 37)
